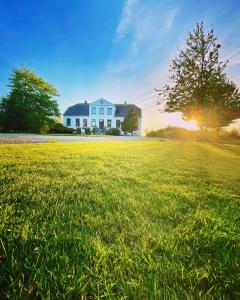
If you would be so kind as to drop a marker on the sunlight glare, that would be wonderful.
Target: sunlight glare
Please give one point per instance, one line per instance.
(175, 119)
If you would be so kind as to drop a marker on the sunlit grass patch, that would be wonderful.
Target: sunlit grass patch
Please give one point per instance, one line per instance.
(130, 220)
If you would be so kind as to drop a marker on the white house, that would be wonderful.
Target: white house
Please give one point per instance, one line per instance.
(99, 114)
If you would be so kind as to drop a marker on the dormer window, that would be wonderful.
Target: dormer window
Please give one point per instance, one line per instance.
(109, 111)
(101, 111)
(93, 110)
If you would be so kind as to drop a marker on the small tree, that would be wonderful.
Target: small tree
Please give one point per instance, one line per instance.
(130, 122)
(29, 104)
(200, 88)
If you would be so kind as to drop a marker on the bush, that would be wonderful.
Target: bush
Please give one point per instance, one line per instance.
(113, 131)
(96, 130)
(59, 128)
(211, 135)
(233, 134)
(170, 132)
(87, 130)
(45, 128)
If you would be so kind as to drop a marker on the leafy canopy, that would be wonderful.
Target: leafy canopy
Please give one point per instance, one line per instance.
(29, 104)
(130, 122)
(199, 87)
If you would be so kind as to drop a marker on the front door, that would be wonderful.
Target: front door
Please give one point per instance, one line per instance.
(101, 124)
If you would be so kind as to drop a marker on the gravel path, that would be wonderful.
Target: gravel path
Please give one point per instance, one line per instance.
(12, 138)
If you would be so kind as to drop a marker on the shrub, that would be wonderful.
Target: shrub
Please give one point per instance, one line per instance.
(45, 128)
(170, 132)
(59, 128)
(87, 130)
(234, 133)
(97, 130)
(206, 135)
(113, 131)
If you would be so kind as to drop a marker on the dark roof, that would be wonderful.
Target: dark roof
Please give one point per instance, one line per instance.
(80, 109)
(122, 109)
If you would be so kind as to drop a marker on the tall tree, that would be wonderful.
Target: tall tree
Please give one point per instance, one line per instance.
(199, 87)
(130, 122)
(29, 104)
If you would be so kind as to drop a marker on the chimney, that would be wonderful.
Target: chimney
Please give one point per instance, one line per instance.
(125, 102)
(85, 102)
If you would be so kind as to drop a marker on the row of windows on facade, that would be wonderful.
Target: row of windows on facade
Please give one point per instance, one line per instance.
(101, 111)
(93, 123)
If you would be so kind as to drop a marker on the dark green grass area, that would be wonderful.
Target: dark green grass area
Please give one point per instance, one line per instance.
(120, 220)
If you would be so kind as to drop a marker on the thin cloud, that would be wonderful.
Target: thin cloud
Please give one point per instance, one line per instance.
(140, 26)
(168, 20)
(125, 20)
(148, 27)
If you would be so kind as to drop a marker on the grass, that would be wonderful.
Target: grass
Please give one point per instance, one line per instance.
(120, 220)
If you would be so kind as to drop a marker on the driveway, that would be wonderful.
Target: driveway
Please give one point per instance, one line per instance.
(12, 138)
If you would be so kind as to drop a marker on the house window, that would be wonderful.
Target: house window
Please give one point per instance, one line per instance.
(109, 123)
(77, 122)
(93, 123)
(68, 122)
(109, 111)
(118, 123)
(101, 111)
(84, 122)
(93, 110)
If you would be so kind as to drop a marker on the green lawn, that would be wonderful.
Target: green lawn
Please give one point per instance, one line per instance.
(120, 220)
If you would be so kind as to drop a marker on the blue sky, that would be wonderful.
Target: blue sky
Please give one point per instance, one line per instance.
(116, 49)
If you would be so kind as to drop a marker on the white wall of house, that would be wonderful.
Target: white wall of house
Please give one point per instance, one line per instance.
(89, 119)
(103, 112)
(100, 110)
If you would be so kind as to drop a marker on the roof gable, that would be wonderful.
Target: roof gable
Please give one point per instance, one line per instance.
(101, 101)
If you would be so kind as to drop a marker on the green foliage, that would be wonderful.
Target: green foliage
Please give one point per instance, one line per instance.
(130, 122)
(59, 128)
(94, 130)
(79, 131)
(103, 131)
(206, 135)
(125, 220)
(199, 86)
(29, 105)
(113, 131)
(87, 130)
(170, 132)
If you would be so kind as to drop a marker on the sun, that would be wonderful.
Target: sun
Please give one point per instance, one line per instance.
(175, 119)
